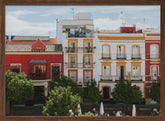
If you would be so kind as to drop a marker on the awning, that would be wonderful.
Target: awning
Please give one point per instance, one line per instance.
(38, 61)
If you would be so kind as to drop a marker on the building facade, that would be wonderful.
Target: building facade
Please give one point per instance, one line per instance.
(152, 68)
(40, 59)
(79, 45)
(122, 56)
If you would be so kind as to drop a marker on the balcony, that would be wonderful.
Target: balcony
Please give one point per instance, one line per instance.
(153, 78)
(38, 76)
(136, 78)
(80, 49)
(154, 56)
(106, 56)
(79, 65)
(105, 78)
(121, 57)
(136, 56)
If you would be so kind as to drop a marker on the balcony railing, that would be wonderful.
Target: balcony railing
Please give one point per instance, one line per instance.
(106, 56)
(153, 78)
(154, 56)
(136, 56)
(121, 56)
(105, 78)
(80, 49)
(38, 76)
(136, 78)
(80, 65)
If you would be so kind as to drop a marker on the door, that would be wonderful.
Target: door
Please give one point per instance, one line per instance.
(121, 72)
(72, 46)
(87, 76)
(87, 62)
(106, 94)
(106, 52)
(154, 72)
(72, 61)
(87, 46)
(38, 94)
(55, 72)
(135, 51)
(121, 52)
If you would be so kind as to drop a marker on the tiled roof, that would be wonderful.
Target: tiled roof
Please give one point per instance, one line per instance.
(30, 38)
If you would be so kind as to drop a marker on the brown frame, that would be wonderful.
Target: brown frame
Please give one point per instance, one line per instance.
(77, 2)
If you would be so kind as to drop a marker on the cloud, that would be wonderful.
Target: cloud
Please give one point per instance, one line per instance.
(16, 26)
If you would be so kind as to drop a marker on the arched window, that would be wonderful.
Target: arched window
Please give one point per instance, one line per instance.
(106, 52)
(154, 53)
(121, 52)
(135, 52)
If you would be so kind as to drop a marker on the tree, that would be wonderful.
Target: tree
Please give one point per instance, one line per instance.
(60, 101)
(65, 82)
(91, 92)
(18, 87)
(155, 91)
(127, 94)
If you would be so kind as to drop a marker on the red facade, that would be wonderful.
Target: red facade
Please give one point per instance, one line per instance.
(152, 40)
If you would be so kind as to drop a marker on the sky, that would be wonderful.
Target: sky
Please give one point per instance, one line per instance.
(41, 20)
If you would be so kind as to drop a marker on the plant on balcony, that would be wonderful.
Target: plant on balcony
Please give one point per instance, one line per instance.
(60, 101)
(64, 82)
(127, 94)
(155, 91)
(18, 87)
(91, 92)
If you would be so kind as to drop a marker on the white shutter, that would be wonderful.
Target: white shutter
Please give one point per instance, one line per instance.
(73, 75)
(105, 51)
(87, 76)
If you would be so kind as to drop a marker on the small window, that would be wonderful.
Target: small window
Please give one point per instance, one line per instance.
(16, 68)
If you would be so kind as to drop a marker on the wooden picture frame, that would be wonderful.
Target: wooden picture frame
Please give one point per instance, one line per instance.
(3, 116)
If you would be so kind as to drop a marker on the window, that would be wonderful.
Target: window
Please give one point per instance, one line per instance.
(106, 70)
(16, 68)
(72, 75)
(72, 61)
(121, 52)
(88, 76)
(87, 61)
(154, 72)
(136, 50)
(106, 92)
(55, 71)
(106, 52)
(72, 46)
(88, 48)
(38, 71)
(154, 52)
(135, 71)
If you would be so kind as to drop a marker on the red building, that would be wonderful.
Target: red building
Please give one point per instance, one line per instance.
(152, 63)
(40, 60)
(129, 30)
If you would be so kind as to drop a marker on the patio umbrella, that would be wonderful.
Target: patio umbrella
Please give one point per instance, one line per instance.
(101, 109)
(79, 109)
(134, 110)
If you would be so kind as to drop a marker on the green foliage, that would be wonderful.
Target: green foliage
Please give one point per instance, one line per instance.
(155, 91)
(18, 87)
(88, 114)
(91, 92)
(127, 94)
(60, 101)
(64, 82)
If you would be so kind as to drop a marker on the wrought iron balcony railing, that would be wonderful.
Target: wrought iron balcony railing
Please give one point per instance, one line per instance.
(106, 78)
(121, 56)
(80, 65)
(154, 56)
(136, 56)
(80, 49)
(106, 56)
(38, 76)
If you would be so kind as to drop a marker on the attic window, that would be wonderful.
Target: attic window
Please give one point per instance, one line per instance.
(38, 49)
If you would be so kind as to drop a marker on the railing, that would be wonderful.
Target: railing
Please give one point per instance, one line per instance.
(136, 56)
(153, 78)
(106, 56)
(118, 78)
(79, 35)
(80, 49)
(154, 56)
(136, 78)
(38, 76)
(105, 78)
(80, 65)
(121, 56)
